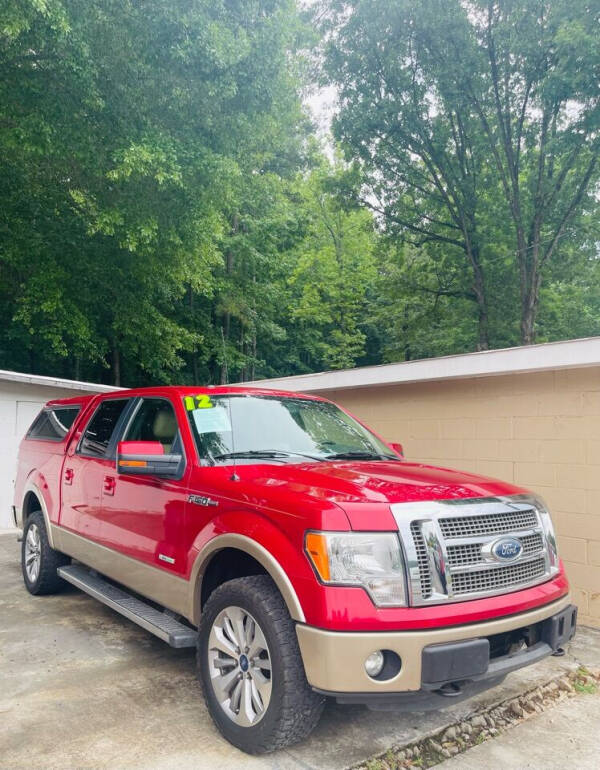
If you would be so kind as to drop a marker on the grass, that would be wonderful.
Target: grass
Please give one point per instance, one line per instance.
(584, 682)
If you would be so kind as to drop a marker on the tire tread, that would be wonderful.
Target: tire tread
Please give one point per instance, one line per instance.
(48, 581)
(301, 707)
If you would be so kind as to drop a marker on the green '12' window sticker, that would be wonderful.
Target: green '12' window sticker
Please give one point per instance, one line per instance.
(197, 402)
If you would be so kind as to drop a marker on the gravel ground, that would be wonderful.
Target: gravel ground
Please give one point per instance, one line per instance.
(576, 691)
(564, 736)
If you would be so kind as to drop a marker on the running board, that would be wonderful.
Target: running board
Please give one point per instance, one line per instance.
(161, 624)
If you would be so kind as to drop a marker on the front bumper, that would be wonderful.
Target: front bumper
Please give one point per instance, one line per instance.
(454, 661)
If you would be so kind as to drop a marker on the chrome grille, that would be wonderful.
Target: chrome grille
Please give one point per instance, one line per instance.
(485, 580)
(470, 553)
(423, 561)
(449, 547)
(488, 524)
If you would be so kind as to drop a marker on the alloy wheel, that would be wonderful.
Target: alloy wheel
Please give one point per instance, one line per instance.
(240, 666)
(33, 553)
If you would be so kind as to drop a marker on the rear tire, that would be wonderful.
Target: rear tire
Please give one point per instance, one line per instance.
(39, 561)
(281, 708)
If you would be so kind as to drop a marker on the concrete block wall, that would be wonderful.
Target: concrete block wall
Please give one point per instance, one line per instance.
(538, 430)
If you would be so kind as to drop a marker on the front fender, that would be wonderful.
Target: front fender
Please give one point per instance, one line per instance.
(261, 539)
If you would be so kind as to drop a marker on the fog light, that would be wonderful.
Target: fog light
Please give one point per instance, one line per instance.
(374, 663)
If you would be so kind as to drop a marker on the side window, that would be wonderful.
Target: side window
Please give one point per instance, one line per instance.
(53, 424)
(96, 437)
(154, 420)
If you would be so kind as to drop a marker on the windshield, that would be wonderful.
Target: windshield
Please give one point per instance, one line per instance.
(269, 428)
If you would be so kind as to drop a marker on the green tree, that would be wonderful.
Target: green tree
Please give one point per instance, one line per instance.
(128, 130)
(465, 115)
(334, 271)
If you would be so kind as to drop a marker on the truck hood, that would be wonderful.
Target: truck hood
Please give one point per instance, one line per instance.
(358, 487)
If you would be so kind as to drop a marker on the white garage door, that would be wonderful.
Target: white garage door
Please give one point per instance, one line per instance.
(15, 418)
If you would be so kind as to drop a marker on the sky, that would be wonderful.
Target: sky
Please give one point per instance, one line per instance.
(321, 103)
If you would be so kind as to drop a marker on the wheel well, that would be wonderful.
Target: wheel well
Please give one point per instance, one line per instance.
(30, 504)
(227, 564)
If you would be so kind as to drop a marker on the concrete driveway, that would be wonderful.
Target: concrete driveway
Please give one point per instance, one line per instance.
(82, 687)
(563, 737)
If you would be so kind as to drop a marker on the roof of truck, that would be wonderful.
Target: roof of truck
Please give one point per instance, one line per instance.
(186, 390)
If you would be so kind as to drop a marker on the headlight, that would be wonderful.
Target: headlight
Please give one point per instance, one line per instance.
(372, 560)
(548, 532)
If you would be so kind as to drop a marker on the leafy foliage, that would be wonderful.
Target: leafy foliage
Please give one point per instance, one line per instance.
(477, 125)
(166, 213)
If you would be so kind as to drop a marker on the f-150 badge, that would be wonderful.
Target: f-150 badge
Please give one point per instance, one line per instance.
(199, 500)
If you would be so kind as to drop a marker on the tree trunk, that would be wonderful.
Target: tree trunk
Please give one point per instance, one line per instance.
(407, 348)
(195, 367)
(226, 321)
(529, 308)
(242, 346)
(253, 364)
(528, 252)
(483, 342)
(472, 250)
(116, 366)
(224, 376)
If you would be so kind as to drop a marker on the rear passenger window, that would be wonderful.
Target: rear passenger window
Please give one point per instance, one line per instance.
(53, 424)
(96, 437)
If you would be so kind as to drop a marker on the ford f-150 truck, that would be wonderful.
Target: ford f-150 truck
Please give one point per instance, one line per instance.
(301, 553)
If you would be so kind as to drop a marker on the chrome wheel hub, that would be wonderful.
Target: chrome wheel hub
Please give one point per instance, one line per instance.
(33, 553)
(239, 663)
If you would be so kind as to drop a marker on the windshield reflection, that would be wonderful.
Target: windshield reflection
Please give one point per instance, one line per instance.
(274, 429)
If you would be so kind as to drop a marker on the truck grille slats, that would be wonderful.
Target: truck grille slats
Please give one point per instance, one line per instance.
(488, 524)
(453, 554)
(513, 576)
(461, 555)
(423, 561)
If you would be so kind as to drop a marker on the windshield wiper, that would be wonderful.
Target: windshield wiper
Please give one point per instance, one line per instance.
(263, 453)
(357, 455)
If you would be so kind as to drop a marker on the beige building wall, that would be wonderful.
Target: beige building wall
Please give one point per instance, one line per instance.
(538, 430)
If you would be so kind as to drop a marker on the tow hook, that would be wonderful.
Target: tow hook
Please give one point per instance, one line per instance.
(450, 690)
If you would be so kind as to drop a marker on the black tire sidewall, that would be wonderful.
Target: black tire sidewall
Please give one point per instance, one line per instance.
(48, 581)
(249, 739)
(36, 518)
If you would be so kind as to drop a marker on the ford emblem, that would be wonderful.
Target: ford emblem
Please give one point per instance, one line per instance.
(506, 549)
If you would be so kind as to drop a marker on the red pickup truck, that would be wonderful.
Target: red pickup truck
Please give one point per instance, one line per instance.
(300, 553)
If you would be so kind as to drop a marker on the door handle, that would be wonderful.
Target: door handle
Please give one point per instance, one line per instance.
(69, 473)
(110, 483)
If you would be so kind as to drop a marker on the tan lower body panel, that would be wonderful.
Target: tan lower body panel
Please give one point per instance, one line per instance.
(169, 590)
(334, 661)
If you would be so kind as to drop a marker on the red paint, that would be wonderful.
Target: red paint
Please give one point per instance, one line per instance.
(140, 448)
(273, 504)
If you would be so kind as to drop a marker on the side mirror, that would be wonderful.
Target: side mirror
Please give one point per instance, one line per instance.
(147, 458)
(398, 448)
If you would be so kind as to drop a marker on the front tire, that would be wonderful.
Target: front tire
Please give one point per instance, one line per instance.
(251, 670)
(39, 561)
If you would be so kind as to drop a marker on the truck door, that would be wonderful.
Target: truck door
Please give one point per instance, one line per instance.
(143, 516)
(90, 458)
